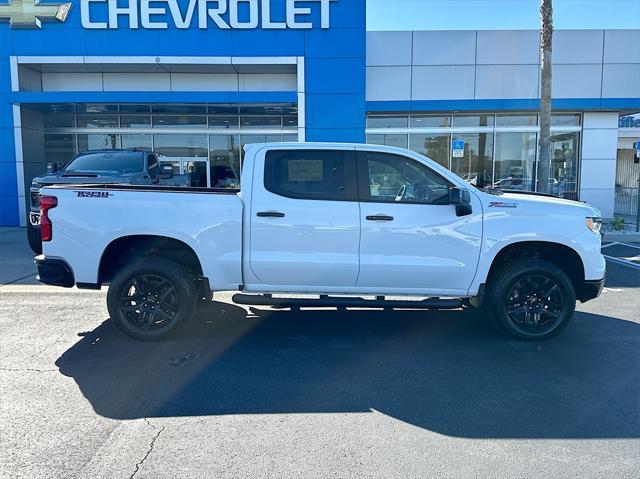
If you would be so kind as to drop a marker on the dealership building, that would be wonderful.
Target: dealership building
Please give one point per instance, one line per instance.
(195, 80)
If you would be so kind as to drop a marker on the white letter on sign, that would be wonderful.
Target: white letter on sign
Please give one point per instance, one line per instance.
(253, 14)
(85, 15)
(177, 14)
(147, 10)
(214, 13)
(131, 11)
(292, 11)
(266, 17)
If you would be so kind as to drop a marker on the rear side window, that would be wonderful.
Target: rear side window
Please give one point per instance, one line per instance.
(311, 174)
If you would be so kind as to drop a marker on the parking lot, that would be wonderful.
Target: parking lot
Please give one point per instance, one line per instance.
(247, 392)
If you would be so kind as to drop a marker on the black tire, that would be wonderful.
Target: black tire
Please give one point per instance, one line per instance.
(152, 298)
(34, 238)
(531, 299)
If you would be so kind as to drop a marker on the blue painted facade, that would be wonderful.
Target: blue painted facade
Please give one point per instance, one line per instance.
(334, 61)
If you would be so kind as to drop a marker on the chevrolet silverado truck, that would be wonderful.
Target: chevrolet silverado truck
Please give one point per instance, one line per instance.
(136, 167)
(324, 225)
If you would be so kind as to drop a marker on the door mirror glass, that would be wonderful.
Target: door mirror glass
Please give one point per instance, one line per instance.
(52, 167)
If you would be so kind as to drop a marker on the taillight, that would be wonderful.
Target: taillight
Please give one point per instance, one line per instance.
(46, 227)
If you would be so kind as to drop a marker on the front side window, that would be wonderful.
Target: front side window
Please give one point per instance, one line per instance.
(398, 179)
(311, 174)
(152, 166)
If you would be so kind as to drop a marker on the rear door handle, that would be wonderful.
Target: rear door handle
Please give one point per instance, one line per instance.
(380, 218)
(270, 214)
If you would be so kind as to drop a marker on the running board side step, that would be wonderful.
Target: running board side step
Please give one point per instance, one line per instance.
(341, 301)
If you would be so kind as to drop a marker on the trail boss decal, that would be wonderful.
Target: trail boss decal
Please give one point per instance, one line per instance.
(502, 204)
(94, 194)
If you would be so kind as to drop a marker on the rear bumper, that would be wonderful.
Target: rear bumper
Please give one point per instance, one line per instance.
(590, 290)
(54, 272)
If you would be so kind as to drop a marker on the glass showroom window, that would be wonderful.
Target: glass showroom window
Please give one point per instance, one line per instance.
(141, 142)
(476, 165)
(564, 164)
(182, 145)
(224, 159)
(435, 147)
(515, 161)
(59, 148)
(388, 140)
(104, 141)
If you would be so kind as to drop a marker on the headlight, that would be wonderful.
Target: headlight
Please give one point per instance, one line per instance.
(594, 223)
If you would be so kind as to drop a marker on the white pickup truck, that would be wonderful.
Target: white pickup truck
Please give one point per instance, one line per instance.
(343, 224)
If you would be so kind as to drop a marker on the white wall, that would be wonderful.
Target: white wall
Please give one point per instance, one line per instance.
(598, 166)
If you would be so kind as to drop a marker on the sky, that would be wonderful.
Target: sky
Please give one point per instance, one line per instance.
(499, 14)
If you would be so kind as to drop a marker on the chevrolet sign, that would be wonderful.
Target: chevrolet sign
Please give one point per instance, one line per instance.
(163, 14)
(30, 13)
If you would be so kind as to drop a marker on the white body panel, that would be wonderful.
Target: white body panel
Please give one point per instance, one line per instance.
(211, 224)
(322, 246)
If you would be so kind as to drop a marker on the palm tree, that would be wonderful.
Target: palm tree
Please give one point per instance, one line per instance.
(546, 39)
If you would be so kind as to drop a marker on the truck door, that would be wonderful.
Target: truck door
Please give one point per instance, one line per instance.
(411, 238)
(305, 220)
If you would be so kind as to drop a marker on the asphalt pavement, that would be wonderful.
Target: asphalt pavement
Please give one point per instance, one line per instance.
(246, 392)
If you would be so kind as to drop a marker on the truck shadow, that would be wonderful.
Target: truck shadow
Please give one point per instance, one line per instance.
(448, 372)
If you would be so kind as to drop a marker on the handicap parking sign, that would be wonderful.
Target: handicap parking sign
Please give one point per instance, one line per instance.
(457, 148)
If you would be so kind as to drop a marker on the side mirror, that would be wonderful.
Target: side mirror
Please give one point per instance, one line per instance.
(461, 198)
(52, 167)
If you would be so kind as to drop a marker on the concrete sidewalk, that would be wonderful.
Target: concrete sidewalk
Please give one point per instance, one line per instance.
(16, 258)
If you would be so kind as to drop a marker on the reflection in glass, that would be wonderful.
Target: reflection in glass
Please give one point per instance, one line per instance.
(224, 158)
(182, 145)
(135, 121)
(98, 142)
(179, 121)
(59, 121)
(59, 148)
(429, 121)
(388, 140)
(97, 121)
(223, 121)
(435, 147)
(141, 142)
(516, 120)
(515, 161)
(564, 164)
(565, 120)
(387, 121)
(264, 122)
(473, 120)
(476, 166)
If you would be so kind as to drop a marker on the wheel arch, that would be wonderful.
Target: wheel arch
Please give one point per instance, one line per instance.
(561, 255)
(120, 250)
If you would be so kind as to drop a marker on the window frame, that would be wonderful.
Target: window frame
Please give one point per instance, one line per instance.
(364, 191)
(351, 187)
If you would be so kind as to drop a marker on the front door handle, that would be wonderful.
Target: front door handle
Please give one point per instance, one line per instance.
(270, 214)
(379, 218)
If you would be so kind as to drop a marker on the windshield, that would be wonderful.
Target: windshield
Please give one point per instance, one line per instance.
(121, 161)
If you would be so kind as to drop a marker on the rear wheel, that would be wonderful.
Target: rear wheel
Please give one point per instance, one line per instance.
(531, 299)
(34, 238)
(149, 299)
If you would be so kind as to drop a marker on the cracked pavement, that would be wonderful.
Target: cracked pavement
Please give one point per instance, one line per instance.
(249, 393)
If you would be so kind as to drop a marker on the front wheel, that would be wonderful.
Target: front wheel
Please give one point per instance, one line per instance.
(151, 298)
(531, 299)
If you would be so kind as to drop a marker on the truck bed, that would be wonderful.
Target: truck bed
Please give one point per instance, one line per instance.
(89, 217)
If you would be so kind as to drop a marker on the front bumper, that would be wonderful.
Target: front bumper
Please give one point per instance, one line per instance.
(54, 272)
(590, 290)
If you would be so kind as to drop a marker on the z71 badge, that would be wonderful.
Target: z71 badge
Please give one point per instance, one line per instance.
(94, 194)
(502, 204)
